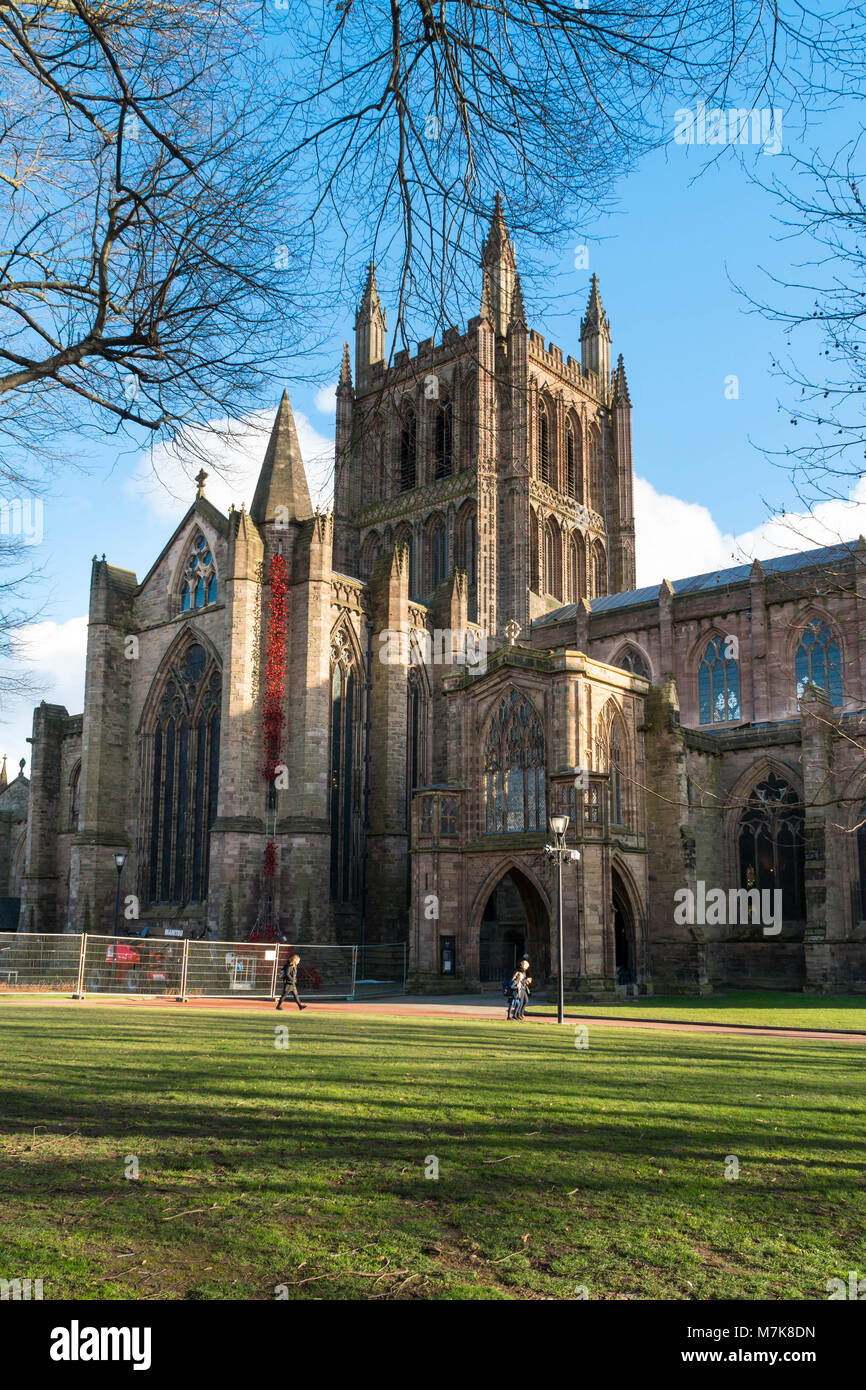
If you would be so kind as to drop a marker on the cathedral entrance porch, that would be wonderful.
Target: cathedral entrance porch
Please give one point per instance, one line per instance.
(514, 922)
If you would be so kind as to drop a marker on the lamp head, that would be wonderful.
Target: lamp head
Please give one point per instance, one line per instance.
(559, 824)
(119, 859)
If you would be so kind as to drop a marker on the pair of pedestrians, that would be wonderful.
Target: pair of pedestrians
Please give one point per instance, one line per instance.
(520, 988)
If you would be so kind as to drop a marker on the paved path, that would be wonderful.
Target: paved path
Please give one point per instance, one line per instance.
(482, 1006)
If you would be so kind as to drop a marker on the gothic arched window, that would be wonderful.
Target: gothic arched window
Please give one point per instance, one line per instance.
(469, 423)
(345, 799)
(442, 441)
(631, 660)
(611, 757)
(370, 554)
(200, 581)
(552, 546)
(467, 541)
(75, 796)
(596, 470)
(599, 571)
(771, 845)
(184, 739)
(574, 460)
(543, 445)
(718, 684)
(614, 765)
(416, 733)
(408, 451)
(578, 568)
(438, 553)
(819, 661)
(514, 785)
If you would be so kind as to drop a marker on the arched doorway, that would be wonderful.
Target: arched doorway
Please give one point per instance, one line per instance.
(514, 922)
(624, 935)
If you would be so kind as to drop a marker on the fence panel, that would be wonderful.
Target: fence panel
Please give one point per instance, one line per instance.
(39, 963)
(325, 972)
(154, 966)
(132, 965)
(229, 970)
(381, 970)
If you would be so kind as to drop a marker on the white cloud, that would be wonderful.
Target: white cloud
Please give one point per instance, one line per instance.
(234, 451)
(55, 653)
(675, 539)
(326, 400)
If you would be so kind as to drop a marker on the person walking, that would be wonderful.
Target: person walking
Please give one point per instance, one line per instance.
(515, 994)
(289, 977)
(525, 990)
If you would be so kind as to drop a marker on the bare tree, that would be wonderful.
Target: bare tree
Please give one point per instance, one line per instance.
(415, 113)
(823, 314)
(145, 267)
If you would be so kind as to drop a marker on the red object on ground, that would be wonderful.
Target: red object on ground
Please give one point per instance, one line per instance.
(122, 954)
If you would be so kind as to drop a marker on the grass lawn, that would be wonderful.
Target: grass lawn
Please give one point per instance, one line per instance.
(558, 1168)
(759, 1008)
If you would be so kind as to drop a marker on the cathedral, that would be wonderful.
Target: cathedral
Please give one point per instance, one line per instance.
(702, 735)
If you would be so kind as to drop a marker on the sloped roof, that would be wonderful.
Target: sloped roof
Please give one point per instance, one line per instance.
(704, 583)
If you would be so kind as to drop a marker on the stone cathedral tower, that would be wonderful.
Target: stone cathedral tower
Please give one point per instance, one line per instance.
(488, 453)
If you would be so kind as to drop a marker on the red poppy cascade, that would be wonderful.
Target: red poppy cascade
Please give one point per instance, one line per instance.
(273, 722)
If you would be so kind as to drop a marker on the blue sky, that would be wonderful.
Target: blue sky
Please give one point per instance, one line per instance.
(666, 258)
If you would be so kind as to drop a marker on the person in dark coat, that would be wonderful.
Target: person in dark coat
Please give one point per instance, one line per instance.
(516, 994)
(525, 989)
(289, 977)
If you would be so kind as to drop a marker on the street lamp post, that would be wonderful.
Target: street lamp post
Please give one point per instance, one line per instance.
(558, 851)
(119, 861)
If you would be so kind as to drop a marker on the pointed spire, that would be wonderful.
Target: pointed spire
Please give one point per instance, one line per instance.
(345, 369)
(282, 481)
(369, 333)
(518, 308)
(620, 384)
(3, 772)
(595, 337)
(498, 266)
(595, 317)
(497, 237)
(370, 301)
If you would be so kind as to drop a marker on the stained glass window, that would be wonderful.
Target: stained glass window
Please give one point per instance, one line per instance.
(183, 786)
(514, 773)
(718, 684)
(771, 844)
(819, 661)
(200, 581)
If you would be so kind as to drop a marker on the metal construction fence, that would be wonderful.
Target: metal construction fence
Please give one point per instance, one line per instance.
(32, 963)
